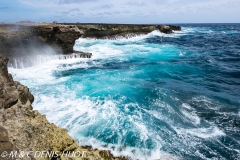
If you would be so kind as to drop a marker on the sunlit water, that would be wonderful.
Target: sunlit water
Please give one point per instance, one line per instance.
(147, 97)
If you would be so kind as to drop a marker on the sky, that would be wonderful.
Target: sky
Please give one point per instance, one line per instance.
(121, 11)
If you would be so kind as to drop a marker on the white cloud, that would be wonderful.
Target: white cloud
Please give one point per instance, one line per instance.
(136, 11)
(136, 3)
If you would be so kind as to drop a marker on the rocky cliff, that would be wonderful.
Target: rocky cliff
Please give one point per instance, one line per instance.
(112, 30)
(26, 131)
(21, 39)
(17, 39)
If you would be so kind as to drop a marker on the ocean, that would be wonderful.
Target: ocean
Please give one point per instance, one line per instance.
(154, 96)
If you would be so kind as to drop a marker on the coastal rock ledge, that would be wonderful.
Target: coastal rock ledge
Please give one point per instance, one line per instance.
(24, 130)
(23, 37)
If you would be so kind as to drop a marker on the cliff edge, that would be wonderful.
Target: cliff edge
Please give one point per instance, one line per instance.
(24, 130)
(17, 38)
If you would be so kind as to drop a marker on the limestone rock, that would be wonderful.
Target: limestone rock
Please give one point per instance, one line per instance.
(60, 35)
(3, 134)
(175, 28)
(5, 145)
(3, 67)
(20, 39)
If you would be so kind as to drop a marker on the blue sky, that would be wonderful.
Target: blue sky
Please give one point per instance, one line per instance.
(121, 11)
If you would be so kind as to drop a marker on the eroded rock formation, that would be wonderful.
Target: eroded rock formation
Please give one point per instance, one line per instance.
(111, 30)
(17, 39)
(25, 129)
(20, 39)
(59, 35)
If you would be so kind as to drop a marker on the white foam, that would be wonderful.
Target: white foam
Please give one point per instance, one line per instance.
(23, 62)
(109, 49)
(42, 73)
(190, 114)
(207, 102)
(201, 132)
(33, 75)
(186, 31)
(201, 155)
(101, 51)
(132, 152)
(78, 114)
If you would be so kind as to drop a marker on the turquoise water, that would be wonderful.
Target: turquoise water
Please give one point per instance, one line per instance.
(148, 97)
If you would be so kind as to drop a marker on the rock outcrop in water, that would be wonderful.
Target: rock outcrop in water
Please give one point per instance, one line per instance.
(25, 129)
(17, 39)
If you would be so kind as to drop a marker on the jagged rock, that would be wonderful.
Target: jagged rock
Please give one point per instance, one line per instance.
(83, 54)
(175, 28)
(3, 134)
(60, 35)
(3, 67)
(19, 39)
(5, 145)
(8, 95)
(111, 30)
(165, 29)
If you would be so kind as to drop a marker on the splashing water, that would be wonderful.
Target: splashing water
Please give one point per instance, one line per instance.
(155, 96)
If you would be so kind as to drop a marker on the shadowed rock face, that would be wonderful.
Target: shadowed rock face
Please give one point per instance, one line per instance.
(6, 145)
(21, 39)
(25, 129)
(63, 36)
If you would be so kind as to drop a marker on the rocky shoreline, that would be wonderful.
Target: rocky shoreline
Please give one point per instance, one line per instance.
(23, 129)
(19, 38)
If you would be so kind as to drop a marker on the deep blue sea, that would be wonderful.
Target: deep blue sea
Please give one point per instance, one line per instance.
(154, 96)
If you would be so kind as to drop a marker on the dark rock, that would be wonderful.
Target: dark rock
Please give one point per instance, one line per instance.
(18, 40)
(3, 134)
(105, 154)
(175, 28)
(7, 92)
(165, 29)
(25, 95)
(1, 90)
(59, 35)
(5, 145)
(3, 67)
(10, 97)
(2, 104)
(82, 54)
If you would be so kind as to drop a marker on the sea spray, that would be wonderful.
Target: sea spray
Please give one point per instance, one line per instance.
(148, 97)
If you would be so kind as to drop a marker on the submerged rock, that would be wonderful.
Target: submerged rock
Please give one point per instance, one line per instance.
(25, 129)
(83, 54)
